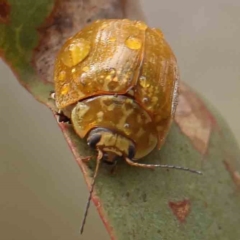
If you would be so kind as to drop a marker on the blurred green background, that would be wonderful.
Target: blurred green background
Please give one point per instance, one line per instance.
(42, 189)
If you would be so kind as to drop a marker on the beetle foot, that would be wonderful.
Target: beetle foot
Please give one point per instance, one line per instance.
(62, 118)
(113, 170)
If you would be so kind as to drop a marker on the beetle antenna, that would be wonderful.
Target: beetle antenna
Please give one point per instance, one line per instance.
(130, 162)
(99, 157)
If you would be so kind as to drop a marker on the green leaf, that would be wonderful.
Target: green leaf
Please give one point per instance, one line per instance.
(134, 203)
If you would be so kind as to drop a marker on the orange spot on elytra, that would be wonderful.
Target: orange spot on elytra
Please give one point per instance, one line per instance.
(4, 11)
(233, 173)
(180, 209)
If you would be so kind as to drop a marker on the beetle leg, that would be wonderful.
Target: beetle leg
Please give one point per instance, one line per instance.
(62, 118)
(52, 95)
(114, 167)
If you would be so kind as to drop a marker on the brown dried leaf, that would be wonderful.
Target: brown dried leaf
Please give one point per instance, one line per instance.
(194, 119)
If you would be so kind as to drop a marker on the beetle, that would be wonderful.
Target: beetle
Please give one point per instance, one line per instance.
(117, 82)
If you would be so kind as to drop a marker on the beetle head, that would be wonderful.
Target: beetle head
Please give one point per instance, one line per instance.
(112, 144)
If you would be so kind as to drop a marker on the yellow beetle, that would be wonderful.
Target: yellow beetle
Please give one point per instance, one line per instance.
(117, 81)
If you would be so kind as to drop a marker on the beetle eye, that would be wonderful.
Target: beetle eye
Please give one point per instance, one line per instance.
(93, 140)
(131, 152)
